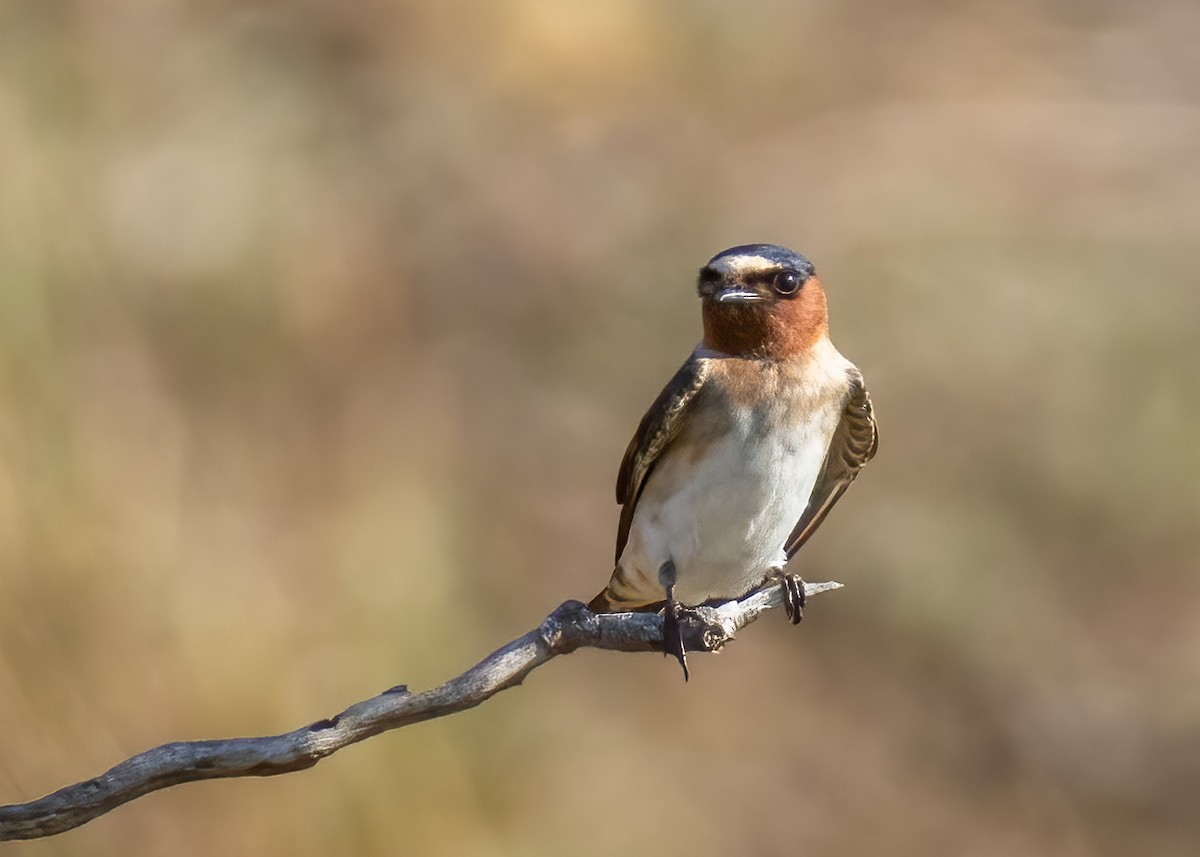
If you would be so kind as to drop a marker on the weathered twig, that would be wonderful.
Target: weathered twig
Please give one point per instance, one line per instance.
(570, 627)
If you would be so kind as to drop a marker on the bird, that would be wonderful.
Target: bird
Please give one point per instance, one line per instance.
(745, 450)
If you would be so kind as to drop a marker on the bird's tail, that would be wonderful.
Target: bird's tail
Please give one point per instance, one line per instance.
(607, 602)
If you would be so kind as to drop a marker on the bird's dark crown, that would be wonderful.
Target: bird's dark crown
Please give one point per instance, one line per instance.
(771, 253)
(751, 263)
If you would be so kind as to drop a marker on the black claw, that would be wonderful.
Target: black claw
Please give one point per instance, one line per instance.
(673, 633)
(793, 598)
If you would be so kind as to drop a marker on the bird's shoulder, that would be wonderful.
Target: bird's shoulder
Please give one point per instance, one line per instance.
(661, 423)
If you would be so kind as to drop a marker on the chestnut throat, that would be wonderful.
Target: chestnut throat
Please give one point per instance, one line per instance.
(771, 330)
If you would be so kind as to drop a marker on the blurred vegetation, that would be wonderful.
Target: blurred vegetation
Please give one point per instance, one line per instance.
(323, 328)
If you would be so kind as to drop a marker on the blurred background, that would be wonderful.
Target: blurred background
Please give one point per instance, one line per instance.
(323, 328)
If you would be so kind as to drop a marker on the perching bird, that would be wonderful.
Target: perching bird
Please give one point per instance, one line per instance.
(746, 449)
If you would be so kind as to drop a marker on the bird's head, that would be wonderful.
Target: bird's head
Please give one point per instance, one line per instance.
(762, 300)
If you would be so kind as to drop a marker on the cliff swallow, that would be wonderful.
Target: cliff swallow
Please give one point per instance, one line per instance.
(745, 451)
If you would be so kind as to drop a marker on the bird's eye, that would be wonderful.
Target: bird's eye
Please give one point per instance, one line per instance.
(787, 283)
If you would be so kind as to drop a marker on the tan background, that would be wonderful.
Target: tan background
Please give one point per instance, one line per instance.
(324, 325)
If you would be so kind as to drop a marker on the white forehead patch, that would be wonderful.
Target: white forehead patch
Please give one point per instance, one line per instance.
(743, 264)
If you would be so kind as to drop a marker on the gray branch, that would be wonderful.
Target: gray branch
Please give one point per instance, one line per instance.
(572, 626)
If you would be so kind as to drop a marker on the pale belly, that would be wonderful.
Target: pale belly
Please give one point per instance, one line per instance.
(722, 516)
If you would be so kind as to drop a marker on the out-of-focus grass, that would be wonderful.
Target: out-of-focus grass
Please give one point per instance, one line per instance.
(323, 328)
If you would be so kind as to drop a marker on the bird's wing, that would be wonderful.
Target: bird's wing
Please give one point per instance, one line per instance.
(657, 429)
(853, 445)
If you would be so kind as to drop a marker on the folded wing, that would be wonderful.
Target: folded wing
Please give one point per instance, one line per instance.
(853, 445)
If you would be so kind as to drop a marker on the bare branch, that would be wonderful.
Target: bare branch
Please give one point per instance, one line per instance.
(570, 627)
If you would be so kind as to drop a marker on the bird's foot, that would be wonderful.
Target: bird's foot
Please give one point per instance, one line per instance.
(793, 597)
(672, 632)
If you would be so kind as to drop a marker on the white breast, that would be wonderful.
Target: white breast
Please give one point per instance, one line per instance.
(722, 511)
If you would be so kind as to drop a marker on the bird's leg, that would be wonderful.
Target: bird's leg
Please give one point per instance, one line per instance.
(672, 633)
(793, 595)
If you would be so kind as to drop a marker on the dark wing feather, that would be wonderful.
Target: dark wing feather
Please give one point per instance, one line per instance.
(657, 428)
(853, 445)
